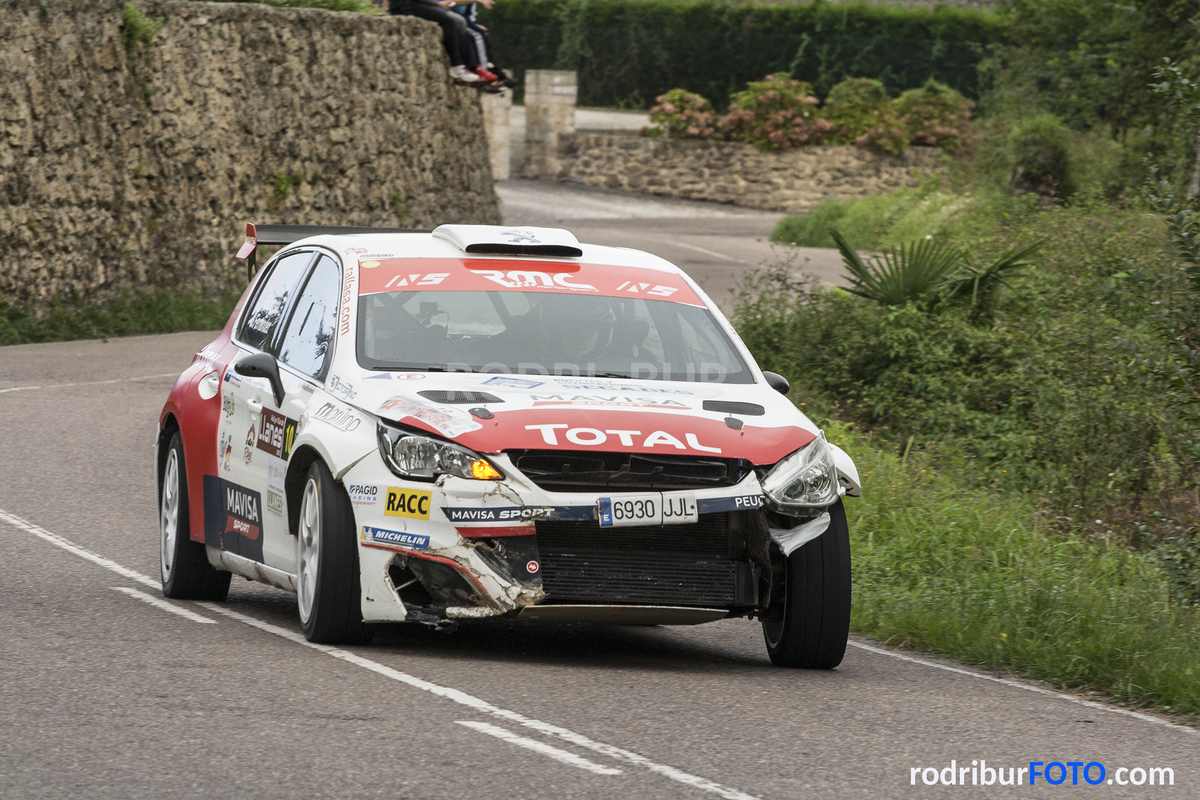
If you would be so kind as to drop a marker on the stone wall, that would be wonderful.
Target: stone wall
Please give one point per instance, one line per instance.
(126, 167)
(730, 172)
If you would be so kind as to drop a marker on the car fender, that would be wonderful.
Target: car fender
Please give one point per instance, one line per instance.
(847, 472)
(340, 434)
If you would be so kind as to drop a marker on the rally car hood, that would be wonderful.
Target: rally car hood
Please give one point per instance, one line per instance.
(494, 413)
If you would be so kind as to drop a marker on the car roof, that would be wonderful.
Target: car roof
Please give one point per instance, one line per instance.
(361, 246)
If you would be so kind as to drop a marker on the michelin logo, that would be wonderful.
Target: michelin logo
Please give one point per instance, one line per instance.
(381, 536)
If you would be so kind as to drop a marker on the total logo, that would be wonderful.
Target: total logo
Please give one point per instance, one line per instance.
(524, 279)
(592, 437)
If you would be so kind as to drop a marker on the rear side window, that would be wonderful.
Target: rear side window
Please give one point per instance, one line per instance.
(269, 305)
(309, 335)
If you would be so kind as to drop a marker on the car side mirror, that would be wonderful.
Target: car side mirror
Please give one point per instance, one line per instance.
(777, 382)
(263, 365)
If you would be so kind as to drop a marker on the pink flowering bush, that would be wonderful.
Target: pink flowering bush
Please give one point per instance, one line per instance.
(935, 115)
(778, 113)
(775, 113)
(680, 114)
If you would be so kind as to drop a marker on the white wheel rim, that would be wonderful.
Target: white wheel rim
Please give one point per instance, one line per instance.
(309, 547)
(169, 516)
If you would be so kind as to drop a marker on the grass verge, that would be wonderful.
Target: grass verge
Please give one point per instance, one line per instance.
(154, 311)
(875, 222)
(976, 576)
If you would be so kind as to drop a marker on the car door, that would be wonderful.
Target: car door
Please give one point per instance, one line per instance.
(303, 352)
(239, 508)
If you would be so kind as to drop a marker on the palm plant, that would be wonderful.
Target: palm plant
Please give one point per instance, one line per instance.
(912, 272)
(927, 271)
(981, 282)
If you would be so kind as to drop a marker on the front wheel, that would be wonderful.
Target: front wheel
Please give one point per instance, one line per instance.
(808, 624)
(327, 578)
(183, 565)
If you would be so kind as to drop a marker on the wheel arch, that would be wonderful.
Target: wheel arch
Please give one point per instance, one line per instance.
(303, 457)
(167, 428)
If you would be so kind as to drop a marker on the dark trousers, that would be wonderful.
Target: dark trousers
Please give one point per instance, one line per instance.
(475, 47)
(453, 25)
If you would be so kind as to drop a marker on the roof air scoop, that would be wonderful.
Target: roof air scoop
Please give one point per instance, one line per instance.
(510, 241)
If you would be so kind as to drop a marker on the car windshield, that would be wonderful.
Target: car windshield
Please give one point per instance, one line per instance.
(529, 333)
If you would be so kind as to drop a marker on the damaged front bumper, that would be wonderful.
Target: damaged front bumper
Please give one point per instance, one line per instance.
(464, 549)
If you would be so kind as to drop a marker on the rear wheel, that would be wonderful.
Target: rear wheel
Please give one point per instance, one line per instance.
(183, 565)
(327, 577)
(808, 625)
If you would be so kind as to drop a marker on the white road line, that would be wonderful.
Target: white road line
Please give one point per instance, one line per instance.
(92, 383)
(158, 602)
(721, 256)
(57, 540)
(454, 695)
(539, 747)
(1027, 687)
(482, 706)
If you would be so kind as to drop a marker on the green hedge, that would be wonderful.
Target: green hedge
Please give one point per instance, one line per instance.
(628, 52)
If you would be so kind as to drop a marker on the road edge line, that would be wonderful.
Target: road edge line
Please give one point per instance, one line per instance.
(1014, 684)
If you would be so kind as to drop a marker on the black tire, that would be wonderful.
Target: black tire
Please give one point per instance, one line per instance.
(808, 626)
(183, 565)
(328, 593)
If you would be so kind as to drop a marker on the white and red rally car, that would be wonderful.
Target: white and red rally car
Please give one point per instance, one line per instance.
(484, 421)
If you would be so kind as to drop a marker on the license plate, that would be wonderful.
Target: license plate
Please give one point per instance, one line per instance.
(647, 509)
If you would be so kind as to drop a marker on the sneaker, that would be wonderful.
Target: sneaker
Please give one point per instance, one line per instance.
(463, 75)
(505, 80)
(484, 75)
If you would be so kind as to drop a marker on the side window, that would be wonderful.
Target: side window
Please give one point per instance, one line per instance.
(261, 320)
(309, 334)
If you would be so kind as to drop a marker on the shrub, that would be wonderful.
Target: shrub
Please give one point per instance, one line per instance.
(127, 314)
(884, 220)
(1041, 153)
(639, 49)
(935, 115)
(1055, 395)
(775, 113)
(682, 115)
(853, 107)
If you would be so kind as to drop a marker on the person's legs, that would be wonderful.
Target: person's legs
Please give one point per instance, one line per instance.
(466, 46)
(453, 25)
(480, 44)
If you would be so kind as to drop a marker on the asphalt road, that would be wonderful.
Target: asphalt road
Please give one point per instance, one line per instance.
(720, 246)
(104, 694)
(109, 691)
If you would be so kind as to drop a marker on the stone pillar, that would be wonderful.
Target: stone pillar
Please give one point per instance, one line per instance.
(549, 115)
(497, 109)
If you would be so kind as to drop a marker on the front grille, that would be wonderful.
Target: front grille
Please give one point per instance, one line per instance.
(586, 470)
(662, 565)
(709, 536)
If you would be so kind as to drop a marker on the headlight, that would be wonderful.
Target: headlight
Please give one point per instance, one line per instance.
(805, 480)
(412, 456)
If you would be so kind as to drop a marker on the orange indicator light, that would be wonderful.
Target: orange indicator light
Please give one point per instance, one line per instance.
(482, 470)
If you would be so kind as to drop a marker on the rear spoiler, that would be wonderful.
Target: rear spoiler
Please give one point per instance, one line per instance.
(286, 234)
